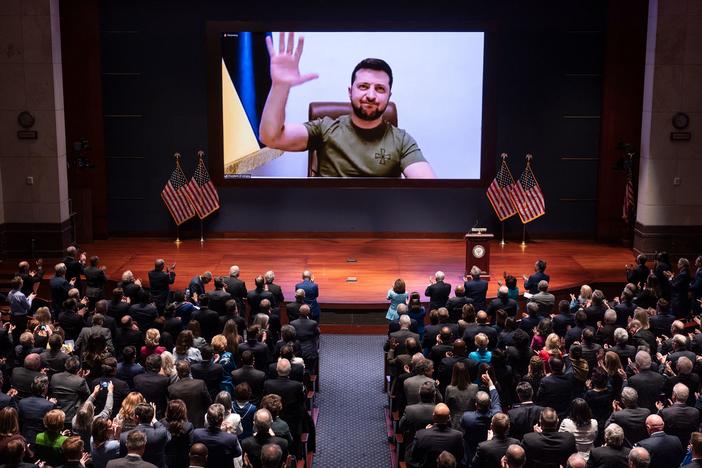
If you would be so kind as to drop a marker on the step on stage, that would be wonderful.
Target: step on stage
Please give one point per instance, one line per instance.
(354, 275)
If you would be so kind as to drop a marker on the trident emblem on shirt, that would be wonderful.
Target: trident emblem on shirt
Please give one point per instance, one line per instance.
(381, 157)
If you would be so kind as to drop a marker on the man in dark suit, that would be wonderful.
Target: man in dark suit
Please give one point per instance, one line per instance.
(23, 377)
(661, 322)
(219, 297)
(401, 335)
(247, 373)
(143, 312)
(118, 307)
(647, 383)
(455, 304)
(531, 283)
(665, 450)
(307, 331)
(75, 266)
(208, 371)
(438, 291)
(475, 424)
(418, 415)
(502, 301)
(136, 446)
(556, 389)
(95, 280)
(259, 350)
(459, 354)
(564, 319)
(192, 391)
(548, 448)
(157, 436)
(680, 420)
(152, 385)
(97, 328)
(311, 294)
(629, 416)
(293, 308)
(159, 282)
(624, 307)
(120, 388)
(605, 329)
(490, 452)
(597, 308)
(430, 442)
(254, 298)
(70, 389)
(274, 289)
(128, 334)
(696, 443)
(32, 409)
(293, 396)
(197, 284)
(252, 446)
(236, 287)
(476, 288)
(444, 344)
(524, 416)
(613, 454)
(482, 327)
(638, 274)
(30, 279)
(222, 447)
(59, 288)
(207, 318)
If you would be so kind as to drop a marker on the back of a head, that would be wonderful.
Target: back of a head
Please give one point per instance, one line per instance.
(427, 392)
(136, 441)
(198, 454)
(441, 414)
(515, 456)
(183, 368)
(576, 461)
(482, 401)
(543, 286)
(630, 397)
(500, 424)
(405, 321)
(696, 443)
(72, 448)
(262, 421)
(283, 368)
(445, 460)
(144, 413)
(548, 420)
(639, 458)
(215, 415)
(614, 435)
(271, 456)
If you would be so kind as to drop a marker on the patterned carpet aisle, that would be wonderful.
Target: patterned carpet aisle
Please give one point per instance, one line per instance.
(351, 425)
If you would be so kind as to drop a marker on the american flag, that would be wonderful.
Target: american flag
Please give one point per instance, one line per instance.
(173, 195)
(628, 205)
(498, 193)
(201, 191)
(527, 196)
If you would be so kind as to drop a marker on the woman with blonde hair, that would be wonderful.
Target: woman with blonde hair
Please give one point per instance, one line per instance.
(552, 348)
(151, 344)
(396, 295)
(168, 366)
(125, 419)
(582, 300)
(225, 359)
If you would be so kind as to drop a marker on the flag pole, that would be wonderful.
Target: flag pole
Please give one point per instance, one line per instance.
(523, 234)
(177, 241)
(502, 242)
(200, 155)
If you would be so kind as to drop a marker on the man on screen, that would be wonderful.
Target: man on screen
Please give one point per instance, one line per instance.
(361, 144)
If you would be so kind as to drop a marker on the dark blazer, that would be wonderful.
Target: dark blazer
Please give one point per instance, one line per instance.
(237, 289)
(159, 282)
(522, 419)
(144, 315)
(632, 421)
(429, 443)
(252, 447)
(117, 310)
(222, 447)
(252, 376)
(531, 285)
(508, 305)
(255, 297)
(548, 449)
(22, 379)
(210, 373)
(195, 395)
(625, 310)
(477, 290)
(416, 417)
(59, 292)
(73, 270)
(307, 331)
(489, 453)
(297, 371)
(696, 463)
(87, 332)
(438, 293)
(128, 337)
(209, 322)
(608, 457)
(293, 395)
(95, 280)
(154, 387)
(455, 306)
(31, 413)
(70, 390)
(561, 322)
(130, 461)
(196, 286)
(218, 301)
(556, 391)
(260, 351)
(665, 450)
(120, 392)
(277, 292)
(681, 421)
(157, 436)
(649, 385)
(472, 332)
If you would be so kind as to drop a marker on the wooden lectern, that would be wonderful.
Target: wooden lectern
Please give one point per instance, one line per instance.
(478, 251)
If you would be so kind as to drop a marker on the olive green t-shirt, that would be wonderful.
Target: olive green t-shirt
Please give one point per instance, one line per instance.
(345, 150)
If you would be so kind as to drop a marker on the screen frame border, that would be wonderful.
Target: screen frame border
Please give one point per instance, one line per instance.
(215, 159)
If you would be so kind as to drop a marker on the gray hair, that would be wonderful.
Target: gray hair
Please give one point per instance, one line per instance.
(401, 309)
(639, 458)
(60, 268)
(405, 320)
(269, 276)
(681, 392)
(610, 316)
(262, 420)
(234, 270)
(643, 360)
(299, 293)
(614, 435)
(621, 335)
(543, 285)
(503, 291)
(283, 368)
(128, 276)
(475, 271)
(439, 275)
(630, 397)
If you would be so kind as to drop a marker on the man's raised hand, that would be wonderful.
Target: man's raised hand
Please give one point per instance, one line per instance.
(285, 64)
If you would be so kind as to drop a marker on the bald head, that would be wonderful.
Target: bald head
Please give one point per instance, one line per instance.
(639, 458)
(515, 457)
(307, 274)
(441, 414)
(283, 368)
(32, 362)
(654, 423)
(198, 454)
(576, 461)
(482, 317)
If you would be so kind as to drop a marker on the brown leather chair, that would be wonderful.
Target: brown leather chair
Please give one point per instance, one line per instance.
(334, 110)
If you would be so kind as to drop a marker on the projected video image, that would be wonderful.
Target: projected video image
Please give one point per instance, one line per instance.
(412, 108)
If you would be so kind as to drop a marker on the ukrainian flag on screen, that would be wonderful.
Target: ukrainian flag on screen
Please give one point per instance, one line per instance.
(245, 86)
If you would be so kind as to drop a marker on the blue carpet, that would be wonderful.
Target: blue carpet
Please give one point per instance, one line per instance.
(351, 425)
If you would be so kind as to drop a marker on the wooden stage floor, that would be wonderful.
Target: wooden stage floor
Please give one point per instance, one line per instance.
(378, 263)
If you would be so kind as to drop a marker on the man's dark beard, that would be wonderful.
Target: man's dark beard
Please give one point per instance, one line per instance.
(358, 110)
